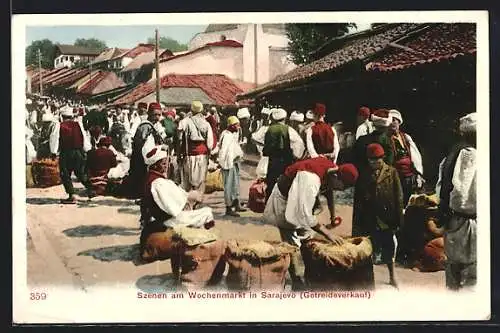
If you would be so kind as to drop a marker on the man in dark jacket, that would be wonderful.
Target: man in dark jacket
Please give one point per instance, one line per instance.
(96, 122)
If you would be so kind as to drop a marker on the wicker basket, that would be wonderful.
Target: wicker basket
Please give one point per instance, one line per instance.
(46, 172)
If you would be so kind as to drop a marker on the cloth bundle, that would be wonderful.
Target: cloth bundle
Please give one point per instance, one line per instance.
(433, 257)
(257, 265)
(46, 172)
(197, 258)
(333, 267)
(257, 196)
(214, 182)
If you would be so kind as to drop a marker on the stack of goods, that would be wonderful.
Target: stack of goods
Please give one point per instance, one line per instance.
(46, 172)
(156, 242)
(197, 258)
(257, 265)
(257, 196)
(214, 182)
(333, 267)
(414, 233)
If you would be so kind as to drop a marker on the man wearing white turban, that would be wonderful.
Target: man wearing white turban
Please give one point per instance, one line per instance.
(456, 187)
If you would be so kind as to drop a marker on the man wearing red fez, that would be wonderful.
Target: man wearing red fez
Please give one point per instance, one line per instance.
(379, 208)
(147, 127)
(99, 161)
(322, 140)
(365, 125)
(290, 206)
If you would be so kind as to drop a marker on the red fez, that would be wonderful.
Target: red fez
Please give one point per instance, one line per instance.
(170, 114)
(105, 141)
(374, 150)
(348, 173)
(364, 112)
(154, 106)
(151, 152)
(319, 109)
(142, 105)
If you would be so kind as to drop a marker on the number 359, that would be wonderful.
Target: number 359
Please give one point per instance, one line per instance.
(38, 296)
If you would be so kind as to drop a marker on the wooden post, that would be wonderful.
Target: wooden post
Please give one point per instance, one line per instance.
(40, 70)
(157, 61)
(255, 40)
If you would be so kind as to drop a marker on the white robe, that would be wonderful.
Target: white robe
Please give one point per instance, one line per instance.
(229, 149)
(365, 128)
(301, 197)
(172, 199)
(312, 151)
(122, 167)
(258, 138)
(30, 148)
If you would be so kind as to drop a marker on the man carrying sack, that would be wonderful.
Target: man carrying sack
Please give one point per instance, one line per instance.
(290, 206)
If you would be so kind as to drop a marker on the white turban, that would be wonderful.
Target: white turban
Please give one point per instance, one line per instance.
(309, 115)
(396, 114)
(297, 116)
(151, 152)
(278, 114)
(266, 111)
(243, 113)
(381, 121)
(468, 123)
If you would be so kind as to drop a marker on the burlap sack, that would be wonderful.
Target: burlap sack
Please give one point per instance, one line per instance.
(332, 267)
(197, 259)
(156, 242)
(214, 182)
(257, 265)
(433, 257)
(46, 172)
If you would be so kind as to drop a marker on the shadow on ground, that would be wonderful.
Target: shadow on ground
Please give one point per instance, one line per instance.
(252, 219)
(128, 210)
(157, 283)
(100, 230)
(43, 201)
(116, 253)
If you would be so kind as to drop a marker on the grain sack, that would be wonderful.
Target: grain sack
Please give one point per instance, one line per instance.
(214, 182)
(29, 176)
(156, 242)
(197, 259)
(257, 196)
(433, 257)
(333, 267)
(257, 265)
(46, 172)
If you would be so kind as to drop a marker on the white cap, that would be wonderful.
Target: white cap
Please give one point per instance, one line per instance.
(279, 114)
(66, 111)
(297, 116)
(151, 152)
(243, 113)
(309, 115)
(396, 114)
(468, 123)
(266, 111)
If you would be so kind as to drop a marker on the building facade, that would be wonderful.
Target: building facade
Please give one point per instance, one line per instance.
(68, 55)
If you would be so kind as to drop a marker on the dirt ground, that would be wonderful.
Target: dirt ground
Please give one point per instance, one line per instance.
(96, 244)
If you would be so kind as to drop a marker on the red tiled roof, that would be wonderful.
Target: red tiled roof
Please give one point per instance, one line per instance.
(218, 87)
(132, 53)
(60, 76)
(48, 75)
(225, 43)
(88, 86)
(363, 46)
(73, 77)
(444, 41)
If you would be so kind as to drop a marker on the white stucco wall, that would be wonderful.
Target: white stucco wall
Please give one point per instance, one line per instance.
(214, 60)
(64, 61)
(279, 62)
(203, 38)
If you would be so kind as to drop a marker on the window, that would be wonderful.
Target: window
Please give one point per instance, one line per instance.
(65, 58)
(71, 59)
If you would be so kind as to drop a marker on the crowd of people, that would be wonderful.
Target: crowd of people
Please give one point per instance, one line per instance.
(161, 158)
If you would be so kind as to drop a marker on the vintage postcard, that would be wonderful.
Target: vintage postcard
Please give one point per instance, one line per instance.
(251, 167)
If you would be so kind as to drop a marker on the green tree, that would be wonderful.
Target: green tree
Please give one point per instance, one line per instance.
(91, 43)
(169, 44)
(47, 50)
(305, 38)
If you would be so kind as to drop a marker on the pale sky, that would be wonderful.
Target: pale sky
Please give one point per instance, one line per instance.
(120, 36)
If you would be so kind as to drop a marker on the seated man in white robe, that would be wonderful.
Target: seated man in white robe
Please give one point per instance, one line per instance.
(166, 202)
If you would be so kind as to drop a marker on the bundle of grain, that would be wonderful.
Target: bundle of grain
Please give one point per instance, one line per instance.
(345, 267)
(46, 172)
(257, 265)
(214, 182)
(197, 257)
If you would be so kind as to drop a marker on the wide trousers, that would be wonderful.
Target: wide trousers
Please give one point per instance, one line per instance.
(73, 160)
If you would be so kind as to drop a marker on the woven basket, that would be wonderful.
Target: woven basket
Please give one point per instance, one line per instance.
(257, 265)
(46, 172)
(332, 267)
(214, 182)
